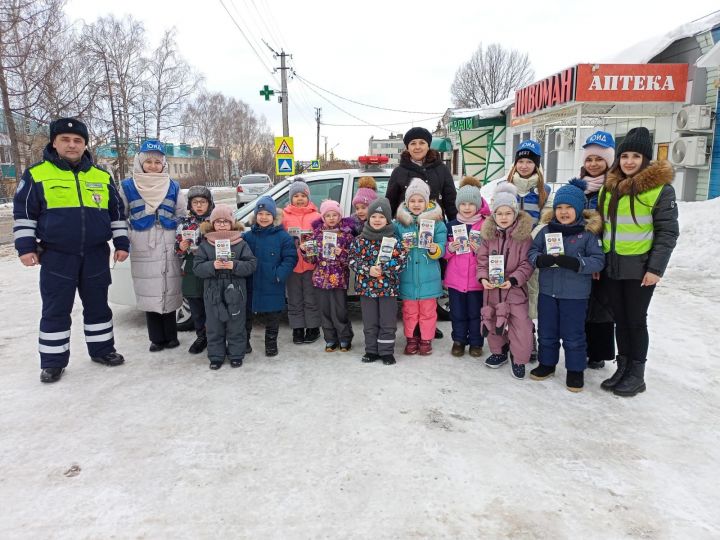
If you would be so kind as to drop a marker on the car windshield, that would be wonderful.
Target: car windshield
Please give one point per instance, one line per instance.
(257, 179)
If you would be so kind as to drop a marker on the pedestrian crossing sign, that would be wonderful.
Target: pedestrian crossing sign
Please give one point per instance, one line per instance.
(284, 146)
(314, 165)
(284, 166)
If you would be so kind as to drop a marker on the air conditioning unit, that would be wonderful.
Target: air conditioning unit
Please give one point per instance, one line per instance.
(693, 118)
(564, 140)
(689, 151)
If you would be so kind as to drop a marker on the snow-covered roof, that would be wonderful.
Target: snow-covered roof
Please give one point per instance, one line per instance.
(643, 52)
(488, 111)
(711, 58)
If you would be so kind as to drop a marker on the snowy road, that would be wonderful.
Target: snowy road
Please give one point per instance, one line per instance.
(315, 445)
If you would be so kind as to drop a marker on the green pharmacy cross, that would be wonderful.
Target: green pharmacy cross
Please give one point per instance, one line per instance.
(267, 92)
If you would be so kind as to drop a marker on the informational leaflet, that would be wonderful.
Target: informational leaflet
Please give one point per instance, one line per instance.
(222, 250)
(460, 235)
(190, 235)
(386, 249)
(329, 243)
(496, 270)
(294, 232)
(425, 238)
(554, 244)
(408, 240)
(475, 236)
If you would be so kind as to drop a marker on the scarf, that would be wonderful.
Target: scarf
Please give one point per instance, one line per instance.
(152, 188)
(566, 230)
(469, 221)
(377, 234)
(594, 184)
(524, 185)
(233, 236)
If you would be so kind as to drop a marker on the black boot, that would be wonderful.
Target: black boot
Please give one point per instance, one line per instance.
(51, 374)
(110, 359)
(633, 382)
(271, 346)
(199, 344)
(311, 335)
(298, 336)
(612, 382)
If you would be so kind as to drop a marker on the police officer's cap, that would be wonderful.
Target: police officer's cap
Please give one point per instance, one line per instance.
(68, 125)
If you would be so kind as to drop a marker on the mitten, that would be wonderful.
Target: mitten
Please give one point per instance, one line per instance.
(545, 261)
(566, 261)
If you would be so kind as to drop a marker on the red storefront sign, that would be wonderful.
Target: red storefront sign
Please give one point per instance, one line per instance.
(631, 82)
(554, 90)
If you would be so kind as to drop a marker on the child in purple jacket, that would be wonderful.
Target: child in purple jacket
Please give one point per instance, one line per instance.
(331, 274)
(464, 289)
(505, 319)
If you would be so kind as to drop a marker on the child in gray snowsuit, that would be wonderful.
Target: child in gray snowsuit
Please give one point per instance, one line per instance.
(223, 261)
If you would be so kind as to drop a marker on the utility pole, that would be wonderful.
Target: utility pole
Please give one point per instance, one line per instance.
(317, 140)
(283, 86)
(325, 154)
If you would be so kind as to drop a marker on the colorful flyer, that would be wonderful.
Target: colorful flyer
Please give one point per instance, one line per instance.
(222, 250)
(386, 249)
(190, 235)
(496, 270)
(408, 240)
(460, 235)
(427, 229)
(475, 236)
(311, 248)
(329, 243)
(554, 244)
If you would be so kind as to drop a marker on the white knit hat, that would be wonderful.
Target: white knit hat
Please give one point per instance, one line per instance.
(505, 195)
(417, 187)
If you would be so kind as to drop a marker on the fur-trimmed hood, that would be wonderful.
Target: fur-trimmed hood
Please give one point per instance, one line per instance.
(593, 220)
(433, 211)
(657, 173)
(277, 222)
(519, 231)
(206, 227)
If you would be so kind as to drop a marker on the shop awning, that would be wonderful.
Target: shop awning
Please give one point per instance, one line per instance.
(441, 144)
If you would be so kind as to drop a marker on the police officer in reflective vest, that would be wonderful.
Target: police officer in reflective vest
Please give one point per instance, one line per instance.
(66, 210)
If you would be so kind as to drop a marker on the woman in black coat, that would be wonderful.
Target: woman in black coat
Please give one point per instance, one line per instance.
(420, 161)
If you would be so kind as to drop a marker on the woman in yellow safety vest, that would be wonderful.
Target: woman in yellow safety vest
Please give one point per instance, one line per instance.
(640, 231)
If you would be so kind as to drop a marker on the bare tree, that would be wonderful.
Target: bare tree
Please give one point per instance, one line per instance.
(490, 75)
(117, 46)
(170, 83)
(27, 29)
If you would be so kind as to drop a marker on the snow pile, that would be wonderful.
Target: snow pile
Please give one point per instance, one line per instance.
(697, 254)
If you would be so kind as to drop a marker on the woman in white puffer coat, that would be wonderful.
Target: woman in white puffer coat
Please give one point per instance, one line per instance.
(154, 203)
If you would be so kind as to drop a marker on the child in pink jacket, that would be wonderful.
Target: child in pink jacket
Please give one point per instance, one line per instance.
(303, 309)
(464, 289)
(505, 320)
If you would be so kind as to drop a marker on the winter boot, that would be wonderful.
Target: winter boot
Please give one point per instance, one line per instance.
(542, 372)
(345, 346)
(439, 334)
(476, 351)
(596, 364)
(412, 346)
(298, 336)
(172, 344)
(156, 347)
(574, 381)
(236, 363)
(388, 359)
(271, 346)
(216, 364)
(633, 383)
(51, 374)
(331, 347)
(517, 370)
(496, 360)
(425, 348)
(370, 357)
(110, 359)
(622, 365)
(311, 335)
(458, 349)
(199, 344)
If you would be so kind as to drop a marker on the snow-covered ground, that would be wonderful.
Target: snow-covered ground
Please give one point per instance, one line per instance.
(315, 445)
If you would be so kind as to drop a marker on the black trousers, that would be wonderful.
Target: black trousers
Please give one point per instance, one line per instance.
(162, 327)
(629, 302)
(600, 340)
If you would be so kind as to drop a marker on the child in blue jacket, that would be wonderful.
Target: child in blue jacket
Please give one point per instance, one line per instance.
(565, 283)
(276, 257)
(420, 282)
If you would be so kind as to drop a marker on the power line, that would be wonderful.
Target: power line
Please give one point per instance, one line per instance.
(358, 102)
(269, 70)
(391, 124)
(340, 108)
